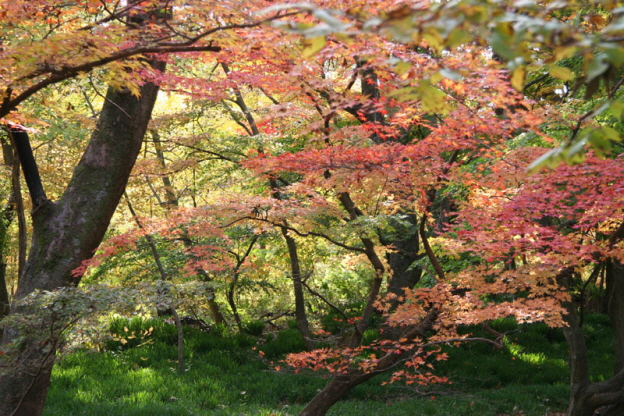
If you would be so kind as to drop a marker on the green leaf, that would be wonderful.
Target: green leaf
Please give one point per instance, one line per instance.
(613, 52)
(434, 39)
(617, 109)
(609, 133)
(575, 153)
(402, 67)
(404, 94)
(458, 37)
(435, 78)
(549, 159)
(599, 143)
(597, 66)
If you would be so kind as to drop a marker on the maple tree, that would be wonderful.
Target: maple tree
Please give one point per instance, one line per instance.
(398, 135)
(50, 43)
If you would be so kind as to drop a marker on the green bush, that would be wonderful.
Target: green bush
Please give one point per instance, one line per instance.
(369, 336)
(254, 328)
(286, 341)
(128, 333)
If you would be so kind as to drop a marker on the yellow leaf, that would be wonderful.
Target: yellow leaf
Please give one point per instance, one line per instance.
(432, 99)
(561, 72)
(517, 78)
(434, 40)
(435, 78)
(313, 45)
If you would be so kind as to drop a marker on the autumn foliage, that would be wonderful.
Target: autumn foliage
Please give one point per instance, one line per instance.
(463, 161)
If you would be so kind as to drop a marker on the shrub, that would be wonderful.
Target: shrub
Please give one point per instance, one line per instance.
(254, 328)
(285, 342)
(130, 333)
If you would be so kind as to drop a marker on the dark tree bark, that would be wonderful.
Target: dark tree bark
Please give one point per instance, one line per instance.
(587, 397)
(295, 271)
(29, 167)
(66, 232)
(615, 274)
(5, 221)
(401, 261)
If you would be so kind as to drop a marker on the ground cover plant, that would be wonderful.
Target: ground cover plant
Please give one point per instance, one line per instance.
(359, 184)
(226, 376)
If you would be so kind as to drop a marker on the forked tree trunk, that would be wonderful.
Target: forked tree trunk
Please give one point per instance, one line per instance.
(587, 397)
(615, 273)
(66, 232)
(404, 273)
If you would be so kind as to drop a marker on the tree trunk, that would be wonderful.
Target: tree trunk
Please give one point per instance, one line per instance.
(586, 397)
(401, 261)
(232, 302)
(333, 392)
(300, 313)
(4, 293)
(66, 232)
(173, 202)
(5, 221)
(615, 273)
(341, 384)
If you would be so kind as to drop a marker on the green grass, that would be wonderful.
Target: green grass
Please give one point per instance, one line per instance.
(226, 377)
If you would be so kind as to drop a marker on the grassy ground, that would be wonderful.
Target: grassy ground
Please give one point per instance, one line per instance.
(226, 377)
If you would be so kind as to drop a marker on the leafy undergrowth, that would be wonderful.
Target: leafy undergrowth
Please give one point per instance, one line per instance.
(225, 376)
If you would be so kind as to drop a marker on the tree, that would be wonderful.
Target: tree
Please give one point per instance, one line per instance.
(513, 37)
(52, 43)
(391, 135)
(67, 231)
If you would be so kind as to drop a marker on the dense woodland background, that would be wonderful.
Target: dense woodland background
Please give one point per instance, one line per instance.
(380, 181)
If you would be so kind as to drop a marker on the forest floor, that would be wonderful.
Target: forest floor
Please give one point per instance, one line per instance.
(135, 373)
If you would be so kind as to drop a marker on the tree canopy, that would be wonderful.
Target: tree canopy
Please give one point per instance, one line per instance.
(408, 167)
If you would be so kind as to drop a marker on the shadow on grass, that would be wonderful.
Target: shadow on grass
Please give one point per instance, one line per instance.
(225, 377)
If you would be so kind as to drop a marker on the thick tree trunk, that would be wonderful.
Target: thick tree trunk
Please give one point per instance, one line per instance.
(4, 293)
(5, 221)
(615, 273)
(401, 261)
(587, 397)
(66, 232)
(333, 392)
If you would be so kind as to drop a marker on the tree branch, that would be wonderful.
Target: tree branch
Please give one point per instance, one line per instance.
(24, 151)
